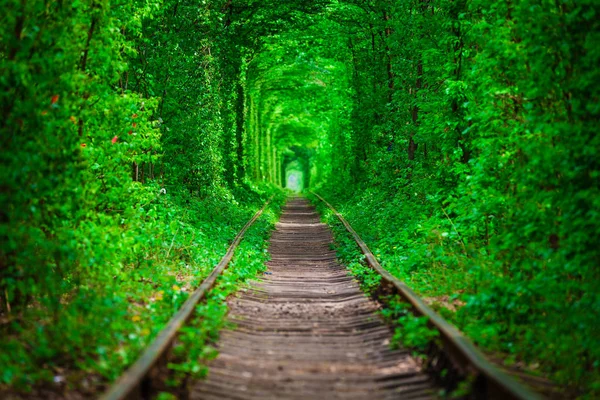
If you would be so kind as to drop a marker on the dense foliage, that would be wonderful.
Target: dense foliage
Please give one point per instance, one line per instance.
(457, 137)
(474, 157)
(121, 186)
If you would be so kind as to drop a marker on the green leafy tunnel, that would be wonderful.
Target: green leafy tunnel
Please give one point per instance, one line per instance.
(458, 137)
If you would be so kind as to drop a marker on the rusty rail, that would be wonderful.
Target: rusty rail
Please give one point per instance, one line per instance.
(133, 383)
(489, 381)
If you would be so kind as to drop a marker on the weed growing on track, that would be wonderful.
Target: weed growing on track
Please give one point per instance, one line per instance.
(194, 346)
(409, 330)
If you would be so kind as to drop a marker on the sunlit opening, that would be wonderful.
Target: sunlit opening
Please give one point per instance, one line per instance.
(294, 177)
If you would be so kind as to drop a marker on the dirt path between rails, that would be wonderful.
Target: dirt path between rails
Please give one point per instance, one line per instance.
(306, 331)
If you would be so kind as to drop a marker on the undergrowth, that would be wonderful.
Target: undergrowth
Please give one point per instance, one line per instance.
(102, 325)
(501, 315)
(195, 343)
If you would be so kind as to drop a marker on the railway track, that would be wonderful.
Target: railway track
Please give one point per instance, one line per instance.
(305, 330)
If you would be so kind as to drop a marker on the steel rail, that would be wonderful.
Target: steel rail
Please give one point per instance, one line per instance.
(490, 381)
(132, 383)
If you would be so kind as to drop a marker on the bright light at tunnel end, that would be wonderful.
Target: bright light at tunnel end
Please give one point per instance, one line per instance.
(295, 180)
